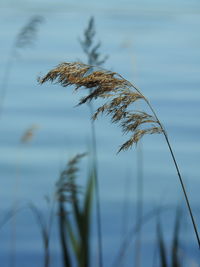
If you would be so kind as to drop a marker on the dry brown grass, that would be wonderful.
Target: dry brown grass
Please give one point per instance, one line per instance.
(117, 92)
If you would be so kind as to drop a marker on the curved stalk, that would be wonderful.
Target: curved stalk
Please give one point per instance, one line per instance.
(176, 166)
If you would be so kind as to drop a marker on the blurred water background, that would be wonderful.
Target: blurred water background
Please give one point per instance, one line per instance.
(155, 44)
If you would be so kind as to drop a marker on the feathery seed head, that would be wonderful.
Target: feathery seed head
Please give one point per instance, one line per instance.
(66, 187)
(116, 90)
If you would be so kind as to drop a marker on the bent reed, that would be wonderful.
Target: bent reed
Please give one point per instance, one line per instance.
(118, 94)
(112, 87)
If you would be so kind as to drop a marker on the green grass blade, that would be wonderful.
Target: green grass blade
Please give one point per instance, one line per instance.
(87, 207)
(161, 246)
(63, 236)
(74, 242)
(175, 242)
(88, 201)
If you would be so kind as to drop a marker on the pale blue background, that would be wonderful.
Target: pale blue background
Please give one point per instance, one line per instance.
(154, 44)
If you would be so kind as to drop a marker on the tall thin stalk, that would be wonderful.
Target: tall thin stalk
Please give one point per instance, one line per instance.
(45, 228)
(62, 234)
(26, 137)
(90, 48)
(124, 247)
(139, 210)
(176, 167)
(125, 207)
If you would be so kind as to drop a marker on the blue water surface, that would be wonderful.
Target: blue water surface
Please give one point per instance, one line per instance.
(154, 44)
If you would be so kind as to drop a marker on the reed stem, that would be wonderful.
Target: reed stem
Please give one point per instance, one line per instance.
(94, 58)
(176, 166)
(98, 206)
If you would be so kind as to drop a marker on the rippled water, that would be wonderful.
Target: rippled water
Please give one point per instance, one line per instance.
(154, 44)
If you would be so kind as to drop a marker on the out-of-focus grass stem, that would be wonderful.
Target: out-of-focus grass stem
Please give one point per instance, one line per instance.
(94, 58)
(139, 206)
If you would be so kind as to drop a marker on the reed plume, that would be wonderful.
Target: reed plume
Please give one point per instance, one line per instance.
(115, 90)
(119, 95)
(27, 35)
(24, 39)
(66, 185)
(90, 47)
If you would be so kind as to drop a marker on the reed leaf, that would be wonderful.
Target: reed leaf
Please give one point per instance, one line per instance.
(72, 236)
(161, 246)
(63, 234)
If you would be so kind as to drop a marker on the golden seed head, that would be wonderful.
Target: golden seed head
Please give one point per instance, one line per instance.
(117, 92)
